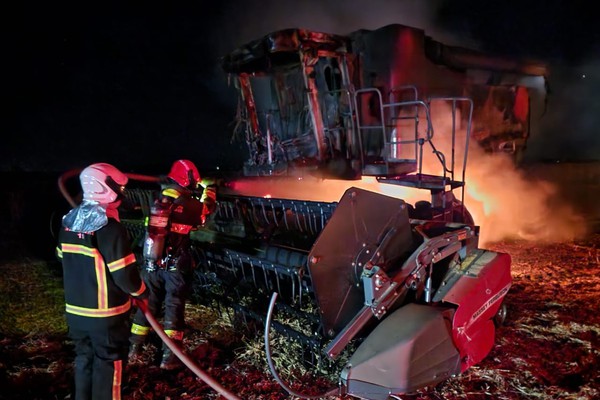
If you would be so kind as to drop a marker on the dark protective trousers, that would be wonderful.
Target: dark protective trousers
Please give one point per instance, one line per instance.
(100, 360)
(170, 288)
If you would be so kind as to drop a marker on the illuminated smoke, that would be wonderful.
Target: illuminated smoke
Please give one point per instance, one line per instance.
(503, 201)
(240, 24)
(507, 204)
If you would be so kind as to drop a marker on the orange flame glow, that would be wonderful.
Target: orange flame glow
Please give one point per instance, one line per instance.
(503, 201)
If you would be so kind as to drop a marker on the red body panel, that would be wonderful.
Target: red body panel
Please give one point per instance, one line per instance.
(478, 295)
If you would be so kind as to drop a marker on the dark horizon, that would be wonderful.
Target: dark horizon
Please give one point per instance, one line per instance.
(140, 86)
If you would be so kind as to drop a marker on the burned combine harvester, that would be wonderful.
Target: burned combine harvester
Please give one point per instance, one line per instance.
(315, 100)
(402, 288)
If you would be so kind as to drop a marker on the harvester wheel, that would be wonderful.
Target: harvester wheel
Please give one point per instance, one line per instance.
(500, 316)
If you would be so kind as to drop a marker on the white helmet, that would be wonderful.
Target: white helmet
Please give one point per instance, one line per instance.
(102, 182)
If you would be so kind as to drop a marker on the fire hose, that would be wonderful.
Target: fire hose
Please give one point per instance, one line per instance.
(182, 356)
(61, 185)
(75, 172)
(171, 344)
(331, 392)
(153, 322)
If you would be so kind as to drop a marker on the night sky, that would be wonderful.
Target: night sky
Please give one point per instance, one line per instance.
(139, 85)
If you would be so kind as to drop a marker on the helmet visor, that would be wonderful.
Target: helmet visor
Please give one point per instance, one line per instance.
(115, 187)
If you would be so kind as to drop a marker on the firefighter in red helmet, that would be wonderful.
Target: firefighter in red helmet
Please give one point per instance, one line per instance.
(101, 277)
(168, 263)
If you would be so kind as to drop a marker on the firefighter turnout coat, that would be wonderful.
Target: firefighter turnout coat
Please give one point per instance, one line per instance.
(100, 274)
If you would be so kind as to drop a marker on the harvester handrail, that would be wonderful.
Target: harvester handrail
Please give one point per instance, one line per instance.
(469, 120)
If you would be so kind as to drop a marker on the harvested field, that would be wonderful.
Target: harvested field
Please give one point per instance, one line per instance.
(549, 347)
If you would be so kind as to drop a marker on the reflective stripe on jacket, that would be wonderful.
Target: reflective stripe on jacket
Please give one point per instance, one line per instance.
(100, 273)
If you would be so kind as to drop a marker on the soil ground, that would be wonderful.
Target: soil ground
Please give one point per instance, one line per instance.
(548, 348)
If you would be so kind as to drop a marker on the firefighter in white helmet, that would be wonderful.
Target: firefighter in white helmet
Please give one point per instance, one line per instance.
(101, 277)
(168, 262)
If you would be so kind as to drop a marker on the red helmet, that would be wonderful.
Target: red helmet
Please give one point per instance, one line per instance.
(185, 173)
(102, 182)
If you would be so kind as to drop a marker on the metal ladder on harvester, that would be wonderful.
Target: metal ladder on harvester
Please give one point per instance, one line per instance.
(393, 135)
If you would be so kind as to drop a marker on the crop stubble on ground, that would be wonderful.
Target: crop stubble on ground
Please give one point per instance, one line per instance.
(549, 347)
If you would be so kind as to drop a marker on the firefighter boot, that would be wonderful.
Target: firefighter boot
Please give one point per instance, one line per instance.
(170, 360)
(135, 353)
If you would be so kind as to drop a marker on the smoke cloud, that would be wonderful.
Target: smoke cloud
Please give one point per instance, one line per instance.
(241, 24)
(569, 127)
(504, 201)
